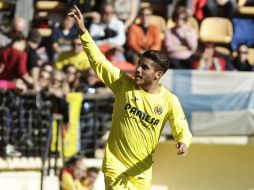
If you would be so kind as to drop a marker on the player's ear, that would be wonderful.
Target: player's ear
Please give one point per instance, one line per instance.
(158, 75)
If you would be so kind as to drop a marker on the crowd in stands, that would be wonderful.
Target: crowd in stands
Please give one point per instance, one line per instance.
(123, 31)
(75, 175)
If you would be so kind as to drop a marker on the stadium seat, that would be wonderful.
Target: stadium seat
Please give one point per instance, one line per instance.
(251, 56)
(49, 5)
(4, 5)
(42, 14)
(216, 29)
(145, 4)
(158, 21)
(45, 32)
(245, 10)
(192, 22)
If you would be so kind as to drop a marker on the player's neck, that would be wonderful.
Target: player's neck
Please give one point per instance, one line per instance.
(152, 88)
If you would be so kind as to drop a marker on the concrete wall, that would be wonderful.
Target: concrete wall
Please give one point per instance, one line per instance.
(207, 167)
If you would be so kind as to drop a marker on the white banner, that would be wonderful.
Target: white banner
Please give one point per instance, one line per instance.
(215, 103)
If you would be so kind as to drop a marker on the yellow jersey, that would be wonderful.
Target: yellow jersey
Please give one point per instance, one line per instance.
(79, 61)
(138, 118)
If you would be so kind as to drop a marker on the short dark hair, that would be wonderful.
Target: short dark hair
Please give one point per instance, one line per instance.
(104, 5)
(161, 60)
(178, 11)
(241, 44)
(73, 160)
(93, 169)
(142, 9)
(34, 36)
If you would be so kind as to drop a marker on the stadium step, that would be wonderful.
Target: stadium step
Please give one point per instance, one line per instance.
(25, 164)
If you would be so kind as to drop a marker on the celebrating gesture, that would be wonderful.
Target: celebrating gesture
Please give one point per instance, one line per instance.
(79, 20)
(142, 107)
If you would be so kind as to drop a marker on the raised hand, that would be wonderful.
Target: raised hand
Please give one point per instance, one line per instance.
(79, 20)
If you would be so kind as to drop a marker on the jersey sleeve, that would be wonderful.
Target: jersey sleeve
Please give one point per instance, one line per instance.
(178, 123)
(108, 73)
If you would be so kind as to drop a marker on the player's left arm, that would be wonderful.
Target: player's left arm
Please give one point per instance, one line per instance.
(179, 127)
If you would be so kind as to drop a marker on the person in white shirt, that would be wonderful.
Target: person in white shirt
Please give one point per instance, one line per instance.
(110, 30)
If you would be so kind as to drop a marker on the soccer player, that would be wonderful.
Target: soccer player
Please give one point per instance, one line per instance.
(142, 107)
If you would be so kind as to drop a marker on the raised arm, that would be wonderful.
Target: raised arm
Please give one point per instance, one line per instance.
(101, 66)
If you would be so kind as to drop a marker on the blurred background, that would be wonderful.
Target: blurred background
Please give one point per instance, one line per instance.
(55, 114)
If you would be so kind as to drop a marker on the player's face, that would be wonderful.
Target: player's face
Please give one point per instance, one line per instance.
(145, 72)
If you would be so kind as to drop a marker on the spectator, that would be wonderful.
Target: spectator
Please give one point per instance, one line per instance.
(33, 60)
(240, 62)
(47, 67)
(213, 8)
(59, 86)
(173, 4)
(91, 176)
(109, 34)
(110, 30)
(17, 85)
(76, 56)
(62, 36)
(180, 41)
(92, 84)
(72, 78)
(43, 81)
(209, 60)
(226, 8)
(17, 27)
(13, 60)
(59, 89)
(126, 11)
(73, 173)
(143, 36)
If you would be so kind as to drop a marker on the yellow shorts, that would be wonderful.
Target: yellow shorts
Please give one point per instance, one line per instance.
(125, 182)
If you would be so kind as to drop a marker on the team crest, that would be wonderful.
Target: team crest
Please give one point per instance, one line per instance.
(158, 109)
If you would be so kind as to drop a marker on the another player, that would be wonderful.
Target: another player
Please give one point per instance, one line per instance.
(142, 107)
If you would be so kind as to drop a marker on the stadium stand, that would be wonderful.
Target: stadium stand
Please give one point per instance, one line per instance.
(190, 22)
(49, 5)
(215, 29)
(245, 9)
(4, 6)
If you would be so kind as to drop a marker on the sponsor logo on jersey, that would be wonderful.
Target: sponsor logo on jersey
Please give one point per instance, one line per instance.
(158, 109)
(140, 114)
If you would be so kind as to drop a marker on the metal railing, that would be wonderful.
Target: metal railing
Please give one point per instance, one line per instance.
(26, 119)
